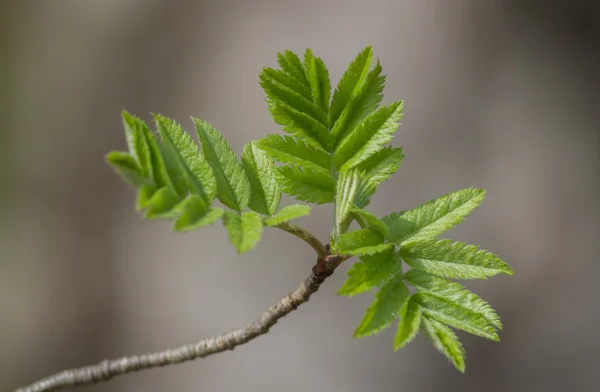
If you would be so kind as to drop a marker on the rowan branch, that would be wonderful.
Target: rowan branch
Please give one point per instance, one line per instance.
(306, 236)
(108, 369)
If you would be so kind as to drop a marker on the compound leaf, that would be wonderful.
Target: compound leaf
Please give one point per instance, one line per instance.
(233, 187)
(453, 259)
(434, 217)
(260, 170)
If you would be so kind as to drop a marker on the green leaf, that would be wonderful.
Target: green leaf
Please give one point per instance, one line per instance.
(233, 187)
(384, 310)
(453, 259)
(361, 242)
(351, 81)
(244, 230)
(144, 195)
(455, 315)
(453, 292)
(126, 166)
(434, 217)
(195, 213)
(260, 170)
(352, 190)
(307, 185)
(290, 63)
(300, 124)
(368, 137)
(162, 205)
(181, 149)
(291, 95)
(370, 272)
(289, 150)
(366, 220)
(381, 165)
(136, 141)
(410, 321)
(288, 213)
(318, 77)
(363, 102)
(177, 180)
(444, 339)
(283, 78)
(160, 174)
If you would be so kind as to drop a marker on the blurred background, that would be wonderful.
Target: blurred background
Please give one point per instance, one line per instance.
(502, 95)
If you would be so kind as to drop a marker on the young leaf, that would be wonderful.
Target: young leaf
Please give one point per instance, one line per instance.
(453, 292)
(181, 148)
(127, 167)
(353, 189)
(455, 315)
(195, 213)
(162, 205)
(410, 321)
(444, 339)
(290, 63)
(233, 187)
(136, 141)
(306, 185)
(366, 220)
(260, 169)
(381, 165)
(361, 242)
(283, 78)
(244, 230)
(453, 260)
(144, 195)
(288, 213)
(362, 103)
(177, 180)
(351, 81)
(370, 272)
(318, 77)
(434, 217)
(384, 310)
(368, 137)
(287, 149)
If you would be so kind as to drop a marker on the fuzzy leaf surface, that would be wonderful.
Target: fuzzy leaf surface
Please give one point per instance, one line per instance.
(370, 272)
(434, 217)
(410, 321)
(195, 213)
(245, 230)
(450, 259)
(382, 165)
(137, 143)
(445, 341)
(126, 166)
(353, 190)
(233, 187)
(318, 77)
(367, 220)
(361, 242)
(306, 185)
(288, 213)
(260, 171)
(162, 205)
(291, 64)
(287, 149)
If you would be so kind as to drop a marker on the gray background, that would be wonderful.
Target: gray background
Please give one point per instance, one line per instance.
(502, 95)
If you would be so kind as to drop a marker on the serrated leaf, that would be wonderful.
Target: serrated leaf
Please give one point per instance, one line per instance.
(126, 166)
(361, 242)
(291, 95)
(245, 230)
(453, 292)
(182, 149)
(195, 213)
(381, 165)
(287, 149)
(455, 315)
(318, 77)
(233, 187)
(291, 64)
(351, 80)
(144, 195)
(352, 190)
(370, 272)
(160, 175)
(288, 213)
(162, 205)
(366, 220)
(384, 310)
(306, 185)
(453, 259)
(260, 170)
(445, 341)
(178, 182)
(410, 321)
(136, 141)
(302, 125)
(434, 217)
(363, 102)
(284, 78)
(368, 137)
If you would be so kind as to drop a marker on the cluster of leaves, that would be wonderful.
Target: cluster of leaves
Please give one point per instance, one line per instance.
(336, 151)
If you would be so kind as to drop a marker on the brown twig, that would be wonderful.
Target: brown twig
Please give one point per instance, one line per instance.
(108, 369)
